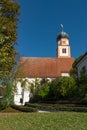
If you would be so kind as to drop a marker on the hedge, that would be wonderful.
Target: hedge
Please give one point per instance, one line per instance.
(24, 108)
(58, 107)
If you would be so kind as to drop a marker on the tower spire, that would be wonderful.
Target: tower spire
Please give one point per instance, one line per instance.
(62, 27)
(63, 47)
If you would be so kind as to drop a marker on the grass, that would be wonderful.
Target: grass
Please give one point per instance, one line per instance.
(43, 121)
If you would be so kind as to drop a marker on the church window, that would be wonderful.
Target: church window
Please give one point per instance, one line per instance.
(64, 50)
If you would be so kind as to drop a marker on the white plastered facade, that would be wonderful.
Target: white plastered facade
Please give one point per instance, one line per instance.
(21, 96)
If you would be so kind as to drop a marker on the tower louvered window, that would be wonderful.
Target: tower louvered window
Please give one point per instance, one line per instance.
(64, 50)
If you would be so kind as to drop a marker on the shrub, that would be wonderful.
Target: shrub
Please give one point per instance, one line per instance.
(24, 108)
(2, 105)
(63, 88)
(82, 83)
(68, 87)
(59, 107)
(40, 106)
(43, 93)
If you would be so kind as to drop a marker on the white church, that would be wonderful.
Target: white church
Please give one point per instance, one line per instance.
(49, 68)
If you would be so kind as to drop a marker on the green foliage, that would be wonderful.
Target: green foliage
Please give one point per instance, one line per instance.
(39, 89)
(73, 71)
(9, 11)
(24, 108)
(43, 93)
(82, 83)
(54, 92)
(58, 107)
(68, 86)
(7, 99)
(34, 87)
(58, 89)
(8, 35)
(63, 88)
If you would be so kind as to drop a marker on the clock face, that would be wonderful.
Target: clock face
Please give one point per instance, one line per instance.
(63, 41)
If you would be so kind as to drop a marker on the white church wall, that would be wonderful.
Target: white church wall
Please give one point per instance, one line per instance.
(21, 96)
(65, 74)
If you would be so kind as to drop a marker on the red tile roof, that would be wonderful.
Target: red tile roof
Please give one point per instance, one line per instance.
(45, 67)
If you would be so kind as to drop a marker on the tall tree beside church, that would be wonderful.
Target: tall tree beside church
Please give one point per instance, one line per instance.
(9, 11)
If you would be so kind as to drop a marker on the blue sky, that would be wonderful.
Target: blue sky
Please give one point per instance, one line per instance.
(40, 23)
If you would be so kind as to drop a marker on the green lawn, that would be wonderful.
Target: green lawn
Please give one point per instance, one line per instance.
(43, 121)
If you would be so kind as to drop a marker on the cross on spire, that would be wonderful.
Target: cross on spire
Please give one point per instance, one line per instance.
(62, 27)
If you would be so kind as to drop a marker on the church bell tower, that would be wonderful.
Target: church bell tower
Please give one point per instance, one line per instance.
(63, 47)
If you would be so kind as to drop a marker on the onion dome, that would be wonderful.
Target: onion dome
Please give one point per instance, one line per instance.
(62, 35)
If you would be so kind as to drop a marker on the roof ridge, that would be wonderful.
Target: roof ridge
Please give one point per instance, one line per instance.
(39, 57)
(47, 58)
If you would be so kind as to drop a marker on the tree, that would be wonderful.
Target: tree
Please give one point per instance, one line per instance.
(82, 83)
(68, 87)
(54, 92)
(73, 71)
(44, 91)
(9, 11)
(8, 35)
(63, 88)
